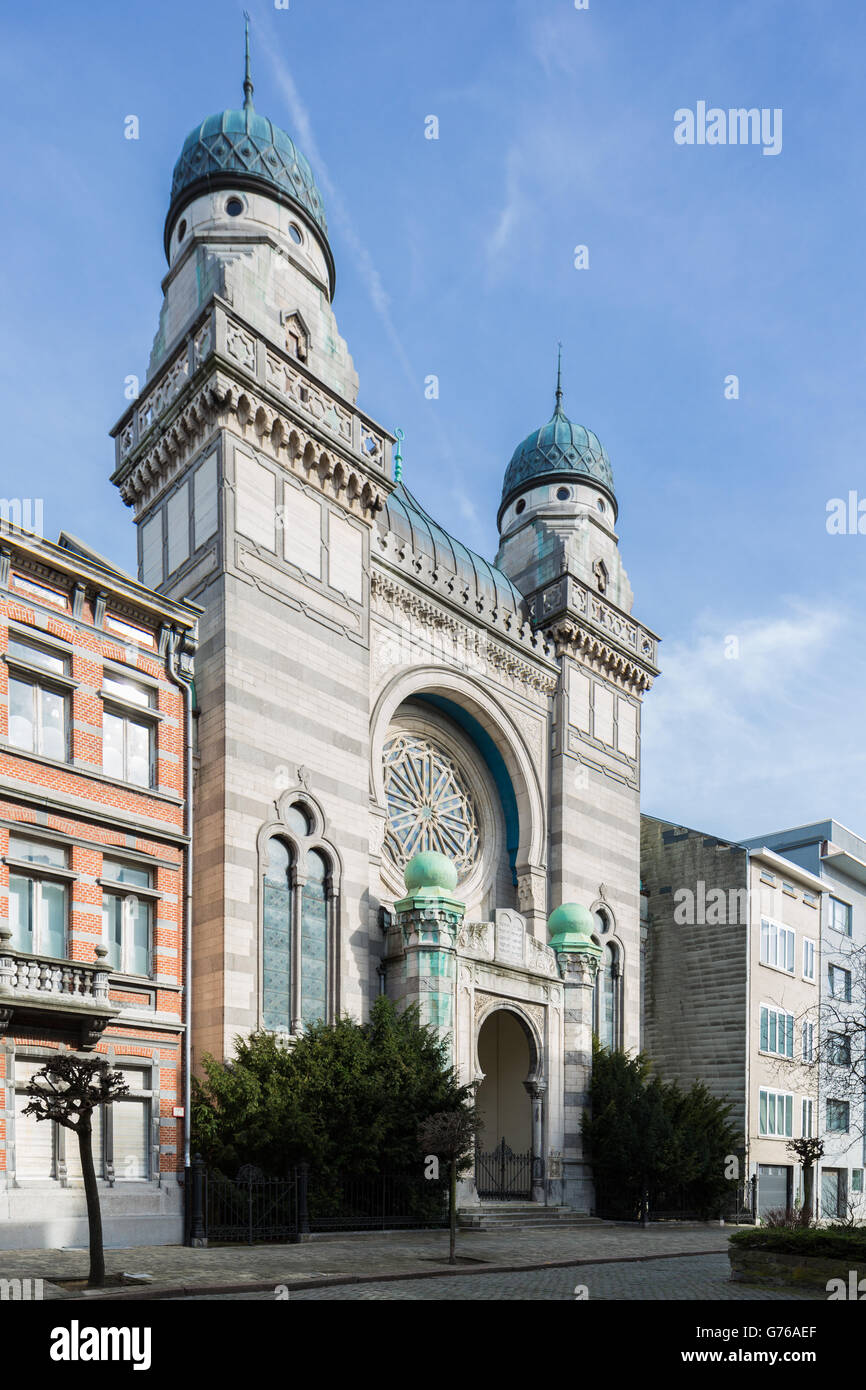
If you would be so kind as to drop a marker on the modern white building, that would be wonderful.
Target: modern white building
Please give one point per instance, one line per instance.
(838, 858)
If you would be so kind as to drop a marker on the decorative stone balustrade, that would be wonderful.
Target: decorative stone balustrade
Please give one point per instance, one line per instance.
(62, 993)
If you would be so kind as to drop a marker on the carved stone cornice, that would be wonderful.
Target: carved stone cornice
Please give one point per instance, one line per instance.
(221, 402)
(576, 640)
(583, 625)
(532, 666)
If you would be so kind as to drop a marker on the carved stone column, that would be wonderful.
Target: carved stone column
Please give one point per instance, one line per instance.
(429, 918)
(578, 956)
(537, 1090)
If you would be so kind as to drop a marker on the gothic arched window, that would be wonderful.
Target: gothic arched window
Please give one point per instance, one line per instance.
(299, 914)
(607, 1003)
(314, 940)
(277, 917)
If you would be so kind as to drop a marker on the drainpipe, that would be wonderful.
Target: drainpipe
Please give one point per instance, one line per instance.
(185, 683)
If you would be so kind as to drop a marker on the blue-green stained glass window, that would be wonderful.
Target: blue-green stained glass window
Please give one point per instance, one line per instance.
(314, 941)
(277, 943)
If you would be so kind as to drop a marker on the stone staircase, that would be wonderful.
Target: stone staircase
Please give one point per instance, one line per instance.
(510, 1216)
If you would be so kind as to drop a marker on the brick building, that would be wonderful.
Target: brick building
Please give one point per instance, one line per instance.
(95, 713)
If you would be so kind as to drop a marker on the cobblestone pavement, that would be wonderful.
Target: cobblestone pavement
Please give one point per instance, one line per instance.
(403, 1252)
(692, 1277)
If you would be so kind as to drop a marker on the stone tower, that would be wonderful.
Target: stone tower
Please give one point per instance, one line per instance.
(254, 481)
(559, 546)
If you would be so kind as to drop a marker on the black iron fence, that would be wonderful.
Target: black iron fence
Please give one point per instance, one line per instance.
(502, 1175)
(671, 1204)
(253, 1208)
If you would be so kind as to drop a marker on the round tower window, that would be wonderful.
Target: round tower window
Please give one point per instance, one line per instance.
(520, 505)
(181, 231)
(600, 505)
(563, 494)
(234, 207)
(295, 234)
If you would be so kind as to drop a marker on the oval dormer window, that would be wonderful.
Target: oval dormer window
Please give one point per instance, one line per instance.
(563, 494)
(234, 207)
(519, 506)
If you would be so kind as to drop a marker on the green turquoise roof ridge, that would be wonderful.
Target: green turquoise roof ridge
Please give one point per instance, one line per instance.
(571, 926)
(241, 149)
(430, 873)
(557, 451)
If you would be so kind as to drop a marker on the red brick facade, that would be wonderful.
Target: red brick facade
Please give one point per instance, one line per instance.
(115, 649)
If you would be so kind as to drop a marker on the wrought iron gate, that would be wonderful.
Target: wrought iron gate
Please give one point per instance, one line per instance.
(502, 1175)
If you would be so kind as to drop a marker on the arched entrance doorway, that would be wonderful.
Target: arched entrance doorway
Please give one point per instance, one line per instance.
(509, 1165)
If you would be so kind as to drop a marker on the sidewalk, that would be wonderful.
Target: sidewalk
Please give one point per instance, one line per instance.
(348, 1259)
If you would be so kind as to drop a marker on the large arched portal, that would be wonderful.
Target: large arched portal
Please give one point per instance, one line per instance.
(509, 1100)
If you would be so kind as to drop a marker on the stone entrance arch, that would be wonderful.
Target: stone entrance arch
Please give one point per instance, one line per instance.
(510, 1099)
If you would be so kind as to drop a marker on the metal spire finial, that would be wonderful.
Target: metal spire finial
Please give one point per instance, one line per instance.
(248, 81)
(559, 378)
(398, 455)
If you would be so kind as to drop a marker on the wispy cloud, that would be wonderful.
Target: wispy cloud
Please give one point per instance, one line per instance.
(741, 705)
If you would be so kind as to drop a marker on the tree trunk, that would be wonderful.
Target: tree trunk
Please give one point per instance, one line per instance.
(96, 1278)
(808, 1194)
(452, 1244)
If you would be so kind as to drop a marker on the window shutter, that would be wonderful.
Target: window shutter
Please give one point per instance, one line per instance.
(131, 1139)
(34, 1139)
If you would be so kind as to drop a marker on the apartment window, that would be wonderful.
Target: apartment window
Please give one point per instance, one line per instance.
(37, 896)
(38, 712)
(856, 1179)
(808, 958)
(776, 1113)
(121, 1133)
(126, 917)
(777, 1032)
(808, 1042)
(839, 983)
(128, 742)
(838, 1049)
(840, 916)
(807, 1118)
(130, 1146)
(777, 945)
(838, 1116)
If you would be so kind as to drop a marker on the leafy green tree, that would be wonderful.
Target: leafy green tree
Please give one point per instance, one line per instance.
(450, 1135)
(651, 1140)
(345, 1097)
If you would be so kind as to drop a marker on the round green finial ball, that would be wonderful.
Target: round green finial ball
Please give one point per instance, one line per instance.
(430, 872)
(571, 926)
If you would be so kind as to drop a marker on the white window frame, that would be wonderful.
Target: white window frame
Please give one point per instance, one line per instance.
(807, 1117)
(774, 934)
(777, 1096)
(784, 1025)
(832, 904)
(810, 956)
(130, 894)
(807, 1041)
(832, 966)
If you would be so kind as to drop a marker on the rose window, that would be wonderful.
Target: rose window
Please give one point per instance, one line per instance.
(429, 806)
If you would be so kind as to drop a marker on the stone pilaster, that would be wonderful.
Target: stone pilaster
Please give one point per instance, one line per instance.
(578, 956)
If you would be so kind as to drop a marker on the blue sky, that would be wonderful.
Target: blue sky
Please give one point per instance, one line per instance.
(455, 257)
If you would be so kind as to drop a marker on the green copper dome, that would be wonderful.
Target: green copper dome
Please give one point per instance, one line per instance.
(571, 926)
(556, 452)
(430, 872)
(240, 149)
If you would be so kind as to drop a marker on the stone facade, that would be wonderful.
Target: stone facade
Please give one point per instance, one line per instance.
(363, 674)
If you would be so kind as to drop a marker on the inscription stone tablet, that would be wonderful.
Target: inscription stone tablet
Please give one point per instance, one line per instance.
(510, 932)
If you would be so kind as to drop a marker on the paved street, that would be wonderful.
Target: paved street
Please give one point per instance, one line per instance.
(174, 1267)
(692, 1277)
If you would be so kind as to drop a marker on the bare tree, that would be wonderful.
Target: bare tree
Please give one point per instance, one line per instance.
(808, 1151)
(841, 1050)
(68, 1089)
(449, 1135)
